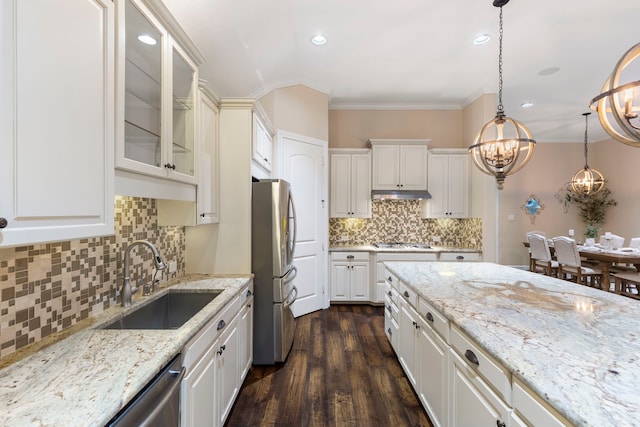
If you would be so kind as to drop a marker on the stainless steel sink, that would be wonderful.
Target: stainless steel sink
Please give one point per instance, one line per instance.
(170, 311)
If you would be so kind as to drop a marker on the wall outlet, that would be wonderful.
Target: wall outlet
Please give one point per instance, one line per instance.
(173, 266)
(344, 238)
(435, 239)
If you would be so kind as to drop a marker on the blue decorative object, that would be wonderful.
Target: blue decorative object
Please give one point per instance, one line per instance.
(532, 207)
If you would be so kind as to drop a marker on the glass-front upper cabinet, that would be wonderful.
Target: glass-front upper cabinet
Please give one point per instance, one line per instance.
(157, 80)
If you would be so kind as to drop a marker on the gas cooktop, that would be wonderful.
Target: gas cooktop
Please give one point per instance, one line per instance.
(401, 245)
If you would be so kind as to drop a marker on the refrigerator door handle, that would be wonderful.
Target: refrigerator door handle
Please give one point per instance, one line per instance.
(291, 299)
(295, 227)
(290, 275)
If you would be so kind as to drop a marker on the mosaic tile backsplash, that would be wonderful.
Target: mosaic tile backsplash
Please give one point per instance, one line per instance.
(47, 288)
(400, 221)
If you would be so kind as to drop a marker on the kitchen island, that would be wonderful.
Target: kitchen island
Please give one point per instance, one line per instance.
(86, 378)
(576, 347)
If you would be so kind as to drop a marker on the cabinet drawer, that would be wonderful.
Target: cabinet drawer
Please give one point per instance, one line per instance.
(391, 280)
(390, 307)
(460, 256)
(391, 293)
(533, 409)
(434, 318)
(408, 295)
(199, 343)
(496, 375)
(350, 256)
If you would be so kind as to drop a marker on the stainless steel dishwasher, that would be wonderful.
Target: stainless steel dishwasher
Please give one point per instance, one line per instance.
(158, 405)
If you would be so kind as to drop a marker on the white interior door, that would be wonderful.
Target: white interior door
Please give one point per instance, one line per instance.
(301, 161)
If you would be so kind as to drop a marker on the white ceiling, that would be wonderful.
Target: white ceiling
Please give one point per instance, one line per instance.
(395, 54)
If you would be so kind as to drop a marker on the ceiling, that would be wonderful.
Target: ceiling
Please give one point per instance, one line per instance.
(419, 54)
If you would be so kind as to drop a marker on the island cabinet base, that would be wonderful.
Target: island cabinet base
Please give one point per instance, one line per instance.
(459, 383)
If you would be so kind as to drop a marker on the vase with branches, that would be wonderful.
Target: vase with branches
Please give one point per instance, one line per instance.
(592, 208)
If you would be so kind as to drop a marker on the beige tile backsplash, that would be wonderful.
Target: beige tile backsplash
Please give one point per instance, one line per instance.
(399, 221)
(46, 288)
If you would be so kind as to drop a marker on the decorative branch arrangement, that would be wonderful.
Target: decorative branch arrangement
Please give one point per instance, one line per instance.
(592, 208)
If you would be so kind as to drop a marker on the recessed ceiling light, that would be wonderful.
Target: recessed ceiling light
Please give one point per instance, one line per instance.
(318, 39)
(526, 104)
(482, 39)
(147, 39)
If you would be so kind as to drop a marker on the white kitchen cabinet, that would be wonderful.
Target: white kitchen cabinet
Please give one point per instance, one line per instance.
(409, 336)
(245, 333)
(217, 360)
(227, 366)
(349, 276)
(472, 402)
(350, 195)
(156, 94)
(262, 144)
(448, 176)
(391, 315)
(378, 287)
(57, 120)
(530, 409)
(399, 164)
(433, 378)
(460, 257)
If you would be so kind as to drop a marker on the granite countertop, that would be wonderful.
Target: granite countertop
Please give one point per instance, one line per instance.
(575, 346)
(370, 248)
(87, 377)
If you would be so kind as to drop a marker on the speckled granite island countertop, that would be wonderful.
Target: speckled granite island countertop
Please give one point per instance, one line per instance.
(85, 379)
(577, 347)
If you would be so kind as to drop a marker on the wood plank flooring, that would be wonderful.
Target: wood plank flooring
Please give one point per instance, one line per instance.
(341, 371)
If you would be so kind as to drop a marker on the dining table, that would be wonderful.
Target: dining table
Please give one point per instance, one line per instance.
(606, 258)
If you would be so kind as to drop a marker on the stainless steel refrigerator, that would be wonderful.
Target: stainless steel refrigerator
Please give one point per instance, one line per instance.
(273, 236)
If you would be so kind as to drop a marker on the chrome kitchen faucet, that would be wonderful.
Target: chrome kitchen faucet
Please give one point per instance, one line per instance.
(127, 291)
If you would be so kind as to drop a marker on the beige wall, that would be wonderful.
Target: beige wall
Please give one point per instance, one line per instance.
(352, 128)
(298, 109)
(551, 166)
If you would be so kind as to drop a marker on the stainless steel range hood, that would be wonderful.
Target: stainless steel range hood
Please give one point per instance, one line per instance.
(400, 194)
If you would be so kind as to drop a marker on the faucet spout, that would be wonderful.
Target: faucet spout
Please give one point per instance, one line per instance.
(127, 290)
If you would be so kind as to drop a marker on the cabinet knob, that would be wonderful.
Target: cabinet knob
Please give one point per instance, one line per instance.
(429, 316)
(3, 222)
(471, 357)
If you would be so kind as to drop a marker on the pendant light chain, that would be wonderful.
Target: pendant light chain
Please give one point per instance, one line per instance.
(500, 106)
(586, 138)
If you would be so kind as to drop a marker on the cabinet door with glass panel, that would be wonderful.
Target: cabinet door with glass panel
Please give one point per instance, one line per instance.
(157, 80)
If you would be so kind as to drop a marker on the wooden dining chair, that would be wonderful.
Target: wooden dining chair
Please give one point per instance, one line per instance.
(570, 265)
(541, 259)
(628, 284)
(616, 241)
(541, 233)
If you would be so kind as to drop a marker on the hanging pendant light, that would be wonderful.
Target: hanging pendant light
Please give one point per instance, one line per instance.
(586, 181)
(617, 100)
(503, 145)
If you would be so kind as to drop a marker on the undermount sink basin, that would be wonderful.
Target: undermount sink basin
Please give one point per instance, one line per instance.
(170, 311)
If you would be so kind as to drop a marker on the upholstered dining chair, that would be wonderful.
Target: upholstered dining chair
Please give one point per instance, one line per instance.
(541, 233)
(541, 255)
(634, 242)
(616, 241)
(570, 265)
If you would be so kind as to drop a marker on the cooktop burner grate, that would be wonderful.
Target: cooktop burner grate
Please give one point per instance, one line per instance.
(401, 245)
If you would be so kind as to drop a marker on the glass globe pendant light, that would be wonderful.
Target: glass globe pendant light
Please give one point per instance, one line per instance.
(586, 181)
(617, 101)
(504, 145)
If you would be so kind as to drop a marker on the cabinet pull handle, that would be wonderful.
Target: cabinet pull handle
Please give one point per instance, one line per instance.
(3, 222)
(471, 357)
(389, 307)
(459, 257)
(429, 316)
(406, 294)
(170, 166)
(389, 279)
(389, 330)
(249, 293)
(501, 423)
(221, 324)
(222, 348)
(390, 293)
(350, 257)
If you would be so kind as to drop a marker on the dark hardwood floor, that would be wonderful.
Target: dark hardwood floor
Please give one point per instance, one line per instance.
(341, 371)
